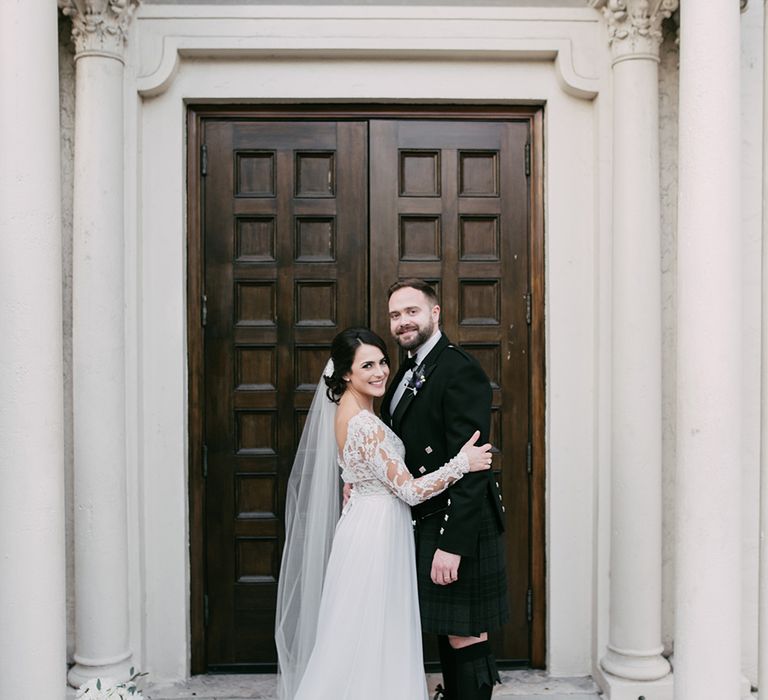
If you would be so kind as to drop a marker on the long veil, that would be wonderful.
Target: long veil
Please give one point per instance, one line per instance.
(312, 505)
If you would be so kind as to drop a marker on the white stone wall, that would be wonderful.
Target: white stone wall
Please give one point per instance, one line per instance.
(67, 117)
(149, 492)
(751, 214)
(173, 55)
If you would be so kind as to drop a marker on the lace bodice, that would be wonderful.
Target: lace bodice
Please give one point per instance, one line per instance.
(372, 459)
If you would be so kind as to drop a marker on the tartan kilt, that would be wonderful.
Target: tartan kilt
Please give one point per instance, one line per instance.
(477, 601)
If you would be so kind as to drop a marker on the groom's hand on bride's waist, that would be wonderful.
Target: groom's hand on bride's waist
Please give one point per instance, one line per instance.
(445, 567)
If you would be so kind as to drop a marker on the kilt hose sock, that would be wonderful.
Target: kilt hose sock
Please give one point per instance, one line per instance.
(468, 673)
(447, 666)
(475, 672)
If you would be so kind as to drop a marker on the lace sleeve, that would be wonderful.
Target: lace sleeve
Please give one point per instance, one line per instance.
(389, 467)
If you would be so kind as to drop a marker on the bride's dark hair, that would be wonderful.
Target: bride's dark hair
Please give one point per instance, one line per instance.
(343, 349)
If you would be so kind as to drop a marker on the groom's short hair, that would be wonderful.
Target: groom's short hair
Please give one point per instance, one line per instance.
(415, 283)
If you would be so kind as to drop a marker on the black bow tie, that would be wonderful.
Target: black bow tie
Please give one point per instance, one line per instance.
(409, 362)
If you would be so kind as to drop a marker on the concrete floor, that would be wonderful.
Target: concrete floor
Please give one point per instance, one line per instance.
(520, 685)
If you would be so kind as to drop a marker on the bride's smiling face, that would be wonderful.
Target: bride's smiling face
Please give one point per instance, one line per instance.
(369, 372)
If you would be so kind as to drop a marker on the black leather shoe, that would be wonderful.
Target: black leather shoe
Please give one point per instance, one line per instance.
(439, 693)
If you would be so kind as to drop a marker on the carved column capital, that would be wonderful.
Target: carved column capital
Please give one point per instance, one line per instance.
(634, 26)
(99, 26)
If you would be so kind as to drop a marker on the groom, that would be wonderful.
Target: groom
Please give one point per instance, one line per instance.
(438, 398)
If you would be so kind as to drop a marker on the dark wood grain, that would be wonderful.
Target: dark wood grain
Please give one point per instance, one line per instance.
(456, 173)
(195, 394)
(280, 237)
(538, 389)
(275, 301)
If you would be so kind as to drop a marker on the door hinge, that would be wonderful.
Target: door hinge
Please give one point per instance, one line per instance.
(204, 309)
(528, 605)
(527, 159)
(529, 458)
(528, 310)
(203, 160)
(205, 608)
(205, 461)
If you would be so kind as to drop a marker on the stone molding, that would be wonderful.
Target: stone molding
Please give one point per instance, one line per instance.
(634, 26)
(174, 34)
(99, 27)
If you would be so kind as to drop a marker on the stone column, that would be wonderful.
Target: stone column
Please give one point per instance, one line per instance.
(708, 479)
(762, 664)
(32, 567)
(633, 657)
(101, 549)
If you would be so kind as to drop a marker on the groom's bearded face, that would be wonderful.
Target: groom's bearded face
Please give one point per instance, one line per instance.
(412, 318)
(412, 336)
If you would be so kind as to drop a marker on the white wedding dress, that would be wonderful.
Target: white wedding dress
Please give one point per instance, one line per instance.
(368, 644)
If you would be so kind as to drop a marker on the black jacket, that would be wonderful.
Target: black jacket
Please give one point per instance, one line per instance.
(434, 423)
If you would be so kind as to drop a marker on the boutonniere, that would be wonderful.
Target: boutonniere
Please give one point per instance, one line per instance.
(417, 381)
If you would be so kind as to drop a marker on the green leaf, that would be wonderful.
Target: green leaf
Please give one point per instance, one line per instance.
(98, 684)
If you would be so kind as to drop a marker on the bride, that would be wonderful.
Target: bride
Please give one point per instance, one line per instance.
(347, 624)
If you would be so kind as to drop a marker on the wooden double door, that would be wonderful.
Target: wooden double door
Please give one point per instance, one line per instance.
(298, 224)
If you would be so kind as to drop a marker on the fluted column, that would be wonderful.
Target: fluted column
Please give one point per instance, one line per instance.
(708, 479)
(32, 567)
(101, 549)
(633, 657)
